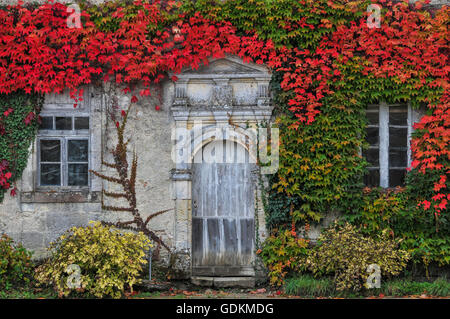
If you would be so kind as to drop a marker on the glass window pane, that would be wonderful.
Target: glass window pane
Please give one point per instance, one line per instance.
(397, 177)
(372, 118)
(50, 174)
(50, 150)
(46, 123)
(398, 115)
(77, 150)
(372, 178)
(78, 175)
(373, 107)
(372, 156)
(372, 136)
(63, 123)
(398, 137)
(82, 123)
(398, 158)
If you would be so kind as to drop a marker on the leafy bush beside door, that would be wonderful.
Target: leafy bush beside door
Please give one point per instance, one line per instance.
(109, 261)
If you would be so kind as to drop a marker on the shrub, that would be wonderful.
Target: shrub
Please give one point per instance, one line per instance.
(344, 251)
(425, 236)
(108, 260)
(283, 252)
(15, 263)
(308, 286)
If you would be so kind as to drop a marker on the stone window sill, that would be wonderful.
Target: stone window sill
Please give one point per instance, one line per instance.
(79, 196)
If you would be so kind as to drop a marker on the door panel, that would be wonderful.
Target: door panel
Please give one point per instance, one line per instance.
(223, 212)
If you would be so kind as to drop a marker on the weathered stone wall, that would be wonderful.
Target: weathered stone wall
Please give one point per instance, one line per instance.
(149, 131)
(36, 217)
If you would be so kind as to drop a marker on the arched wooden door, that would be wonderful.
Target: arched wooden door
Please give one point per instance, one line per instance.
(223, 211)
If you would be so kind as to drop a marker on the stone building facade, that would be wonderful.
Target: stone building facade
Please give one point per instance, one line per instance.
(222, 102)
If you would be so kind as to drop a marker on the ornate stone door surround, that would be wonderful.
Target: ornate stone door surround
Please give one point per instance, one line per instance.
(218, 101)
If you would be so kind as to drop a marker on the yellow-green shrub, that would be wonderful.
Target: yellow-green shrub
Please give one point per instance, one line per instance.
(109, 260)
(346, 253)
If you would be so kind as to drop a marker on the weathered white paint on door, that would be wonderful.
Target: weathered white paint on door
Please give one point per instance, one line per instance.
(223, 210)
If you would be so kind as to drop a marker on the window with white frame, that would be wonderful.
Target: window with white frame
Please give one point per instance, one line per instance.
(388, 134)
(63, 151)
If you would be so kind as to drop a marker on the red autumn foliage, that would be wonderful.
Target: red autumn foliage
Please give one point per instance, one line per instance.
(39, 53)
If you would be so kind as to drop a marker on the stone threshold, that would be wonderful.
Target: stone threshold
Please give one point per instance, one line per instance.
(224, 282)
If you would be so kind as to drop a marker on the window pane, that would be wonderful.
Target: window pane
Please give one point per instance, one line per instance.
(372, 118)
(78, 174)
(397, 158)
(82, 123)
(398, 137)
(46, 123)
(50, 174)
(50, 150)
(396, 177)
(372, 156)
(372, 178)
(398, 115)
(63, 123)
(77, 150)
(372, 136)
(373, 107)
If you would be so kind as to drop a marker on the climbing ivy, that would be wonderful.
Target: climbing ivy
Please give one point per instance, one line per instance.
(327, 64)
(18, 126)
(288, 23)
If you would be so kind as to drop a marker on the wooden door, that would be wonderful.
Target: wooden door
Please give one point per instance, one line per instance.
(223, 211)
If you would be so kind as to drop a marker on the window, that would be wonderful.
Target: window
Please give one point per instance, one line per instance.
(63, 148)
(388, 134)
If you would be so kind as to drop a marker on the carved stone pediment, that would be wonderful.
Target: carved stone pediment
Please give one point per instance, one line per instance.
(226, 83)
(227, 66)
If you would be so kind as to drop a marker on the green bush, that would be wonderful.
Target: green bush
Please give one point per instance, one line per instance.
(308, 286)
(15, 263)
(109, 261)
(403, 287)
(424, 236)
(345, 252)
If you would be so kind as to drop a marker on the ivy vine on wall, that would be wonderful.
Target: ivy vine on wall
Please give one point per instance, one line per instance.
(327, 63)
(18, 125)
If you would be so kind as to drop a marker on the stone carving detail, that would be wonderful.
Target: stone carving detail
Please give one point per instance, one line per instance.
(222, 96)
(180, 97)
(263, 98)
(223, 84)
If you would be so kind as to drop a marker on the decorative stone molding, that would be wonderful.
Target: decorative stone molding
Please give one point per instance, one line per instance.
(224, 84)
(219, 101)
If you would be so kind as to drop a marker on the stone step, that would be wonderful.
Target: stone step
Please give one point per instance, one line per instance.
(224, 282)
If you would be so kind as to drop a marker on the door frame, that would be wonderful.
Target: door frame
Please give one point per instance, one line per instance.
(247, 238)
(182, 187)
